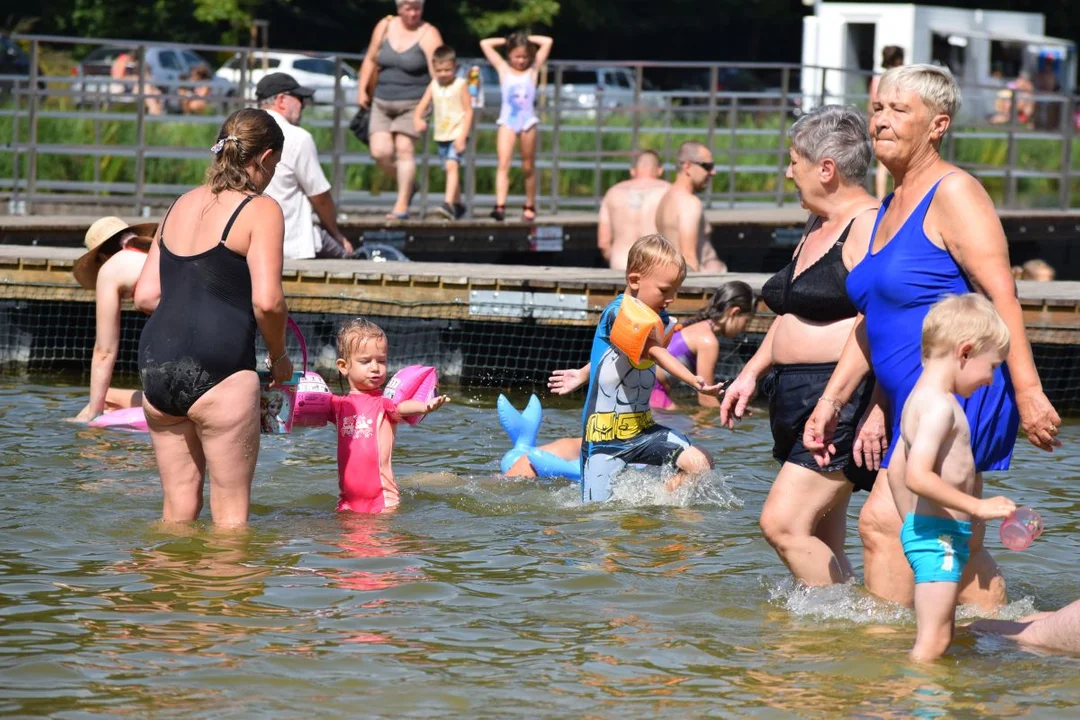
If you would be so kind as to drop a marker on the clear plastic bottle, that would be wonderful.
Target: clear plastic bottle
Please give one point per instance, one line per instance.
(1020, 529)
(476, 90)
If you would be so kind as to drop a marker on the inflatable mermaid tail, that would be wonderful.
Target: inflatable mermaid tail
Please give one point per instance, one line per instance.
(523, 427)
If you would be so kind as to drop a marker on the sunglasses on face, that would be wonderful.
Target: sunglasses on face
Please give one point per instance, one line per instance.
(301, 100)
(706, 166)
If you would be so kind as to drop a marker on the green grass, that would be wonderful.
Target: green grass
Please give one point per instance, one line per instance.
(578, 136)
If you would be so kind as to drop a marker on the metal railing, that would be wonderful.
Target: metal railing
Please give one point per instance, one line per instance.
(588, 134)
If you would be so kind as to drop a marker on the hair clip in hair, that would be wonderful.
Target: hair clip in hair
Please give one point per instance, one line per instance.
(220, 144)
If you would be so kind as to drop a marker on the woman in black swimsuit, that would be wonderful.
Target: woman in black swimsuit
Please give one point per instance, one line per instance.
(213, 275)
(805, 514)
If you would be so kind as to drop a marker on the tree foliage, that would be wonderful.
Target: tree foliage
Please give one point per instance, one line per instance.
(730, 30)
(484, 22)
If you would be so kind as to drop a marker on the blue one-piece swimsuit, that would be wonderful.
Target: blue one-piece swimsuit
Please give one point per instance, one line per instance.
(894, 288)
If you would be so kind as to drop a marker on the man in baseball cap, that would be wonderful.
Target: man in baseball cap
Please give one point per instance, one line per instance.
(280, 83)
(299, 184)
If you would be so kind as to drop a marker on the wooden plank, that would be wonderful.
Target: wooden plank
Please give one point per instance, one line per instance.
(341, 281)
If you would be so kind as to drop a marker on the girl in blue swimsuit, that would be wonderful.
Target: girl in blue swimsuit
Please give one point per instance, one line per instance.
(518, 75)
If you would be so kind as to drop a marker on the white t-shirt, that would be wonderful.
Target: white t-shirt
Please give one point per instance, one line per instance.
(298, 177)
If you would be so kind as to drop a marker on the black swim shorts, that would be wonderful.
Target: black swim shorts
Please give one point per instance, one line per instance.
(793, 392)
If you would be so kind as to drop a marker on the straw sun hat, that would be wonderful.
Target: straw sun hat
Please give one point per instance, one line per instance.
(103, 241)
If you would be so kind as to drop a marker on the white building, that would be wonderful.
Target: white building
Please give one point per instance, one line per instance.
(984, 48)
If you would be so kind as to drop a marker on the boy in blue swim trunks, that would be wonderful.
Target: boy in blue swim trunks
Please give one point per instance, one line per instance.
(932, 474)
(617, 425)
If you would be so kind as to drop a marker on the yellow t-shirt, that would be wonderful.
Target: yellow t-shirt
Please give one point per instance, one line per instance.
(449, 110)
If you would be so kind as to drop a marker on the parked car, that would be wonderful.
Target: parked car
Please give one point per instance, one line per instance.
(759, 88)
(586, 88)
(167, 67)
(313, 71)
(14, 61)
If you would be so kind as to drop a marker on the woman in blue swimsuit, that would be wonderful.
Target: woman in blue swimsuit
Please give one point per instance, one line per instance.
(937, 234)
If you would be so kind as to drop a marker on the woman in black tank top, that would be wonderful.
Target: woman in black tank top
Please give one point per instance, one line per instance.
(805, 514)
(212, 277)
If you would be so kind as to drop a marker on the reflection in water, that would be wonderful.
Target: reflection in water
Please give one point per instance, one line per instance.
(364, 537)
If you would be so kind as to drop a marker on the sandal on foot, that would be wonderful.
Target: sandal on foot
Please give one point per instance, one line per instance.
(397, 216)
(528, 213)
(499, 213)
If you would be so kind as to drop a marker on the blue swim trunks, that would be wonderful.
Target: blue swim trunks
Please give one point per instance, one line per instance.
(936, 548)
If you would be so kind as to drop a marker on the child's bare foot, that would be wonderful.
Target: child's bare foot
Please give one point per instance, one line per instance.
(675, 482)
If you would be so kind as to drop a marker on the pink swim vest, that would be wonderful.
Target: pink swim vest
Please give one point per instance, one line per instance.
(366, 427)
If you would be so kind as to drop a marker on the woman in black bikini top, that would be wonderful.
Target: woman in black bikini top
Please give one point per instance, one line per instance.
(212, 277)
(805, 514)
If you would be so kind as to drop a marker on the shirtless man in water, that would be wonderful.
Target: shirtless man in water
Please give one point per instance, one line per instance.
(680, 217)
(629, 209)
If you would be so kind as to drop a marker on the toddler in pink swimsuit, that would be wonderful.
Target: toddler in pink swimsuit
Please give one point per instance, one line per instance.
(367, 422)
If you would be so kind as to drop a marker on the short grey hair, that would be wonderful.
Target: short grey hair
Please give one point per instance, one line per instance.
(410, 2)
(934, 84)
(838, 132)
(690, 151)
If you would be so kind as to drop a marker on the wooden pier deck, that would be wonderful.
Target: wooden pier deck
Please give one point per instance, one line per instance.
(749, 240)
(1051, 310)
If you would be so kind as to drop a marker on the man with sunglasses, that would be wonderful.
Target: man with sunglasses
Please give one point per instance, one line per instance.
(680, 216)
(299, 184)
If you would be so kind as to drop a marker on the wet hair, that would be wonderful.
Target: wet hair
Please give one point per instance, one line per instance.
(653, 251)
(244, 136)
(734, 293)
(444, 53)
(837, 132)
(355, 331)
(960, 319)
(892, 56)
(935, 85)
(518, 39)
(690, 151)
(655, 158)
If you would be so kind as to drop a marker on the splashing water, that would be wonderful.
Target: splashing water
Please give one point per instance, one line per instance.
(851, 602)
(642, 487)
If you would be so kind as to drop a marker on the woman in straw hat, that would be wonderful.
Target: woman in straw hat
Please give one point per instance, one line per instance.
(111, 273)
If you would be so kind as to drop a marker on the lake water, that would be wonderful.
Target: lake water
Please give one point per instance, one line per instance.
(481, 597)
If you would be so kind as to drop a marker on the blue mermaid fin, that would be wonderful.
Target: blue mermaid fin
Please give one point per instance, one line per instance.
(548, 465)
(522, 428)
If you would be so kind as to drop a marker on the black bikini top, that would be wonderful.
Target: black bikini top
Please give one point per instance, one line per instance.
(819, 293)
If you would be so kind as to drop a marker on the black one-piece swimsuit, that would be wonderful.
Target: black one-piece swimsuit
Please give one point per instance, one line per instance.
(203, 329)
